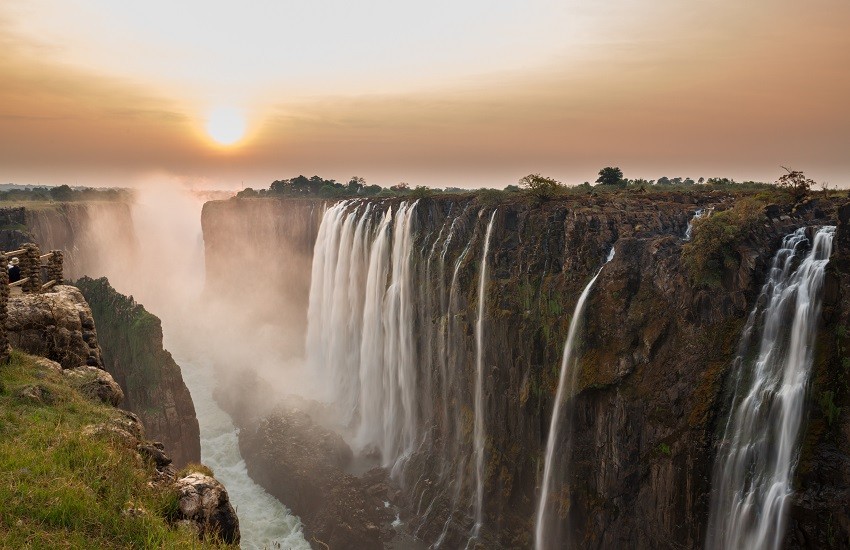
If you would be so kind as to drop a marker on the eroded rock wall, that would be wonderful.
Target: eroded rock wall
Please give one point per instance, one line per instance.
(653, 360)
(131, 339)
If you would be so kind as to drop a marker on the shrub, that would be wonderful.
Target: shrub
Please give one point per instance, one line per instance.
(540, 187)
(712, 249)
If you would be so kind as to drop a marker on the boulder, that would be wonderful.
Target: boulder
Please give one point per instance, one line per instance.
(204, 502)
(95, 384)
(57, 325)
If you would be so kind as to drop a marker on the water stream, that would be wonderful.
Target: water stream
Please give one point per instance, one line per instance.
(758, 450)
(478, 430)
(546, 527)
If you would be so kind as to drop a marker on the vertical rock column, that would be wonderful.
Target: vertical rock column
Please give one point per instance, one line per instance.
(4, 300)
(31, 267)
(54, 267)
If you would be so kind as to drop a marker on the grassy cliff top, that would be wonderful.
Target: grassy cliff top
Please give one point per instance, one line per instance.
(62, 488)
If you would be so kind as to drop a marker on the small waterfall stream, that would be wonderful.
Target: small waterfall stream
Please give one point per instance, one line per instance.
(479, 385)
(545, 531)
(690, 229)
(758, 449)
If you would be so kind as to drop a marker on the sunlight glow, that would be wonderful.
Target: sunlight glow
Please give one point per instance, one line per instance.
(225, 125)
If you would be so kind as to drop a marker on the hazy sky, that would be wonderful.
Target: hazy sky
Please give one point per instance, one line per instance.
(464, 93)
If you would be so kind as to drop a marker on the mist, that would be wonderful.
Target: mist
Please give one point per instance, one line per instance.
(227, 352)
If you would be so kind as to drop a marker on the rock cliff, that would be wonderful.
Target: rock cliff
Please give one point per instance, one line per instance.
(131, 340)
(58, 325)
(658, 341)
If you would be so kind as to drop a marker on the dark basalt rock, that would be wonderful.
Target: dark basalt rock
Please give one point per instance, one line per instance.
(653, 363)
(303, 465)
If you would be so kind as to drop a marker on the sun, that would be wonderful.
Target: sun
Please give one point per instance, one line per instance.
(225, 125)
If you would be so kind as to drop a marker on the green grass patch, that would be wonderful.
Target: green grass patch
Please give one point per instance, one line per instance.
(60, 488)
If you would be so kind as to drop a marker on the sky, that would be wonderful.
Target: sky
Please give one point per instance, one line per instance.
(467, 93)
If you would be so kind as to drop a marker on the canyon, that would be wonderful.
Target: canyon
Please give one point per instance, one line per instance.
(428, 390)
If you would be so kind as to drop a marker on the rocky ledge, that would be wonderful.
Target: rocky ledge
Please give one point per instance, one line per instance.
(58, 325)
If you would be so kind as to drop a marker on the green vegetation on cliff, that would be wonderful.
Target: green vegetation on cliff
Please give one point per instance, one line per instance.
(131, 340)
(63, 487)
(714, 247)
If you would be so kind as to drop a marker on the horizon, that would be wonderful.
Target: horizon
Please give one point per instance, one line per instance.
(438, 95)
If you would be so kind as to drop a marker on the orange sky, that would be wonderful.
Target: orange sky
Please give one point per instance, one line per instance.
(88, 96)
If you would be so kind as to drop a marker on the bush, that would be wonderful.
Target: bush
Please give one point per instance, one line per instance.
(712, 248)
(540, 187)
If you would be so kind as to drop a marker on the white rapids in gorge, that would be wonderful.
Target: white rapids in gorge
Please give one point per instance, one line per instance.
(264, 522)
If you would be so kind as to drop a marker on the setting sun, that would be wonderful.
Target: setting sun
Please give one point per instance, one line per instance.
(225, 125)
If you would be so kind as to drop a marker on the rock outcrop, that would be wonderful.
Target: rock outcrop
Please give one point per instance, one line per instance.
(131, 340)
(95, 384)
(203, 503)
(304, 465)
(58, 325)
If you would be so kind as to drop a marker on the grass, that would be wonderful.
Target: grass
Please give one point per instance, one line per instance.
(60, 488)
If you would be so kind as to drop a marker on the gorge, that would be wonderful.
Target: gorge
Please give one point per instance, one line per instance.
(465, 364)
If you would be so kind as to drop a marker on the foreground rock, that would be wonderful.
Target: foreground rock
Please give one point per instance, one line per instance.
(204, 503)
(303, 465)
(95, 384)
(57, 325)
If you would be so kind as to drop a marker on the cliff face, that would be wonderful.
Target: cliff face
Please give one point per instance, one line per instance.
(659, 336)
(131, 339)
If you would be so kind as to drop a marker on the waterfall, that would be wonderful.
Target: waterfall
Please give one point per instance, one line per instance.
(545, 535)
(759, 447)
(697, 215)
(479, 385)
(360, 324)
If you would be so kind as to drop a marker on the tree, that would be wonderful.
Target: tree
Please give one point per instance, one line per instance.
(61, 193)
(540, 187)
(610, 176)
(356, 184)
(796, 182)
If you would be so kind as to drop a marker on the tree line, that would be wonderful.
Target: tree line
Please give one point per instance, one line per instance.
(537, 185)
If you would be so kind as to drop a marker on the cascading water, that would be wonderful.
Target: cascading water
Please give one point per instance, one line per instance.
(478, 433)
(545, 529)
(360, 324)
(689, 231)
(759, 446)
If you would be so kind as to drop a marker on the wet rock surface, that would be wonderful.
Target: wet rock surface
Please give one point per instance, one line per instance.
(303, 465)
